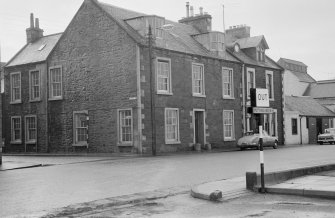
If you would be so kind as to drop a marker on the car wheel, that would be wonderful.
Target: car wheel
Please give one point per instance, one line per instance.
(275, 146)
(321, 143)
(331, 143)
(242, 149)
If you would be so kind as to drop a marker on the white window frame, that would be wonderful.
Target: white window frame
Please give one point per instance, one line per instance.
(202, 80)
(58, 97)
(169, 85)
(231, 82)
(177, 139)
(119, 123)
(12, 95)
(31, 91)
(248, 80)
(26, 127)
(75, 135)
(232, 137)
(268, 72)
(216, 41)
(13, 140)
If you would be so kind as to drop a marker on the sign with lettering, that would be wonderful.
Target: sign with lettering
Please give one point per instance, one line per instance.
(259, 97)
(262, 110)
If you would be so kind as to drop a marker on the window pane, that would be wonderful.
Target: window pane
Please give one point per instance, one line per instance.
(56, 82)
(163, 75)
(125, 127)
(228, 123)
(81, 126)
(171, 125)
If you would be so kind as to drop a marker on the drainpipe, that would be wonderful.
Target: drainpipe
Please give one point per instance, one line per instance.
(47, 109)
(152, 91)
(300, 132)
(243, 101)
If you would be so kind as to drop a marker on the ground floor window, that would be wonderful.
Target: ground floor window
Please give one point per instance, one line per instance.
(172, 125)
(331, 122)
(228, 125)
(125, 126)
(30, 129)
(16, 129)
(294, 123)
(80, 125)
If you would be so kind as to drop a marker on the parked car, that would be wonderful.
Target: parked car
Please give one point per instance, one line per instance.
(327, 137)
(251, 140)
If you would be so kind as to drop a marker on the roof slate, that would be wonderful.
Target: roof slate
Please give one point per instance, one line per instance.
(304, 77)
(292, 62)
(30, 52)
(179, 38)
(322, 89)
(307, 106)
(251, 42)
(248, 60)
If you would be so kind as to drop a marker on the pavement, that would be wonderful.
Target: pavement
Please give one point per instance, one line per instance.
(320, 185)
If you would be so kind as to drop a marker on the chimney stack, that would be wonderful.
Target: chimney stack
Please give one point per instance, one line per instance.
(201, 9)
(192, 12)
(34, 32)
(187, 9)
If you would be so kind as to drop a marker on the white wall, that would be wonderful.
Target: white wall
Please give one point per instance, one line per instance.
(295, 139)
(292, 85)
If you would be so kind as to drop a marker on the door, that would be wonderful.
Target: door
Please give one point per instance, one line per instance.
(318, 126)
(199, 126)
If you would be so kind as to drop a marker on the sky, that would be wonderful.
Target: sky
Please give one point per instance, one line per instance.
(302, 30)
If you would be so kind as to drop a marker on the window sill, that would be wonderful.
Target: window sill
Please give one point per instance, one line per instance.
(55, 99)
(172, 142)
(80, 144)
(15, 102)
(31, 142)
(164, 93)
(199, 95)
(272, 99)
(35, 100)
(229, 140)
(228, 98)
(124, 144)
(16, 142)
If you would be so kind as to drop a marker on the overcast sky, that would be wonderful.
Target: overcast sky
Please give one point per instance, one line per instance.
(302, 30)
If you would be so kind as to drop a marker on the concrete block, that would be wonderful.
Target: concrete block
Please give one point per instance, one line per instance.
(251, 180)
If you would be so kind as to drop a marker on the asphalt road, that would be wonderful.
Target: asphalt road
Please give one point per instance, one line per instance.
(30, 191)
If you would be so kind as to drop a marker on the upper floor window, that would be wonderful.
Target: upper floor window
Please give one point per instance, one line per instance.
(217, 41)
(260, 54)
(15, 82)
(125, 126)
(164, 76)
(269, 83)
(171, 125)
(250, 80)
(16, 129)
(55, 75)
(198, 82)
(227, 83)
(30, 129)
(34, 85)
(80, 126)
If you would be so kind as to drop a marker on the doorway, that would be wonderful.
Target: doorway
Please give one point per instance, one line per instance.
(318, 126)
(199, 126)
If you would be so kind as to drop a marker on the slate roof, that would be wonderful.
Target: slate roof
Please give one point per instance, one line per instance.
(248, 60)
(252, 42)
(322, 89)
(304, 77)
(307, 106)
(30, 52)
(179, 38)
(292, 62)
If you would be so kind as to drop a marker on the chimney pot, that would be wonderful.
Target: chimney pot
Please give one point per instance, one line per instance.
(187, 9)
(37, 23)
(191, 10)
(31, 20)
(201, 10)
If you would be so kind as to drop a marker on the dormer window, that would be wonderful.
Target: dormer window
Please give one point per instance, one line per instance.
(236, 48)
(260, 54)
(217, 41)
(142, 23)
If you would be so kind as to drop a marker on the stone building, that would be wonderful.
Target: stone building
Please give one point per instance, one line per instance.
(108, 84)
